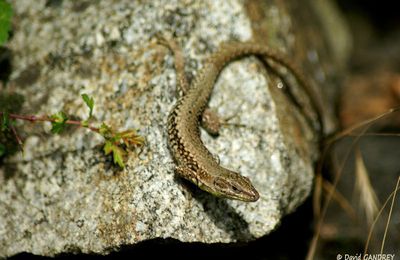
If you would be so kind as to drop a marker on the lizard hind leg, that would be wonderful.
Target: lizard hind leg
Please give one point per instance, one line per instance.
(211, 122)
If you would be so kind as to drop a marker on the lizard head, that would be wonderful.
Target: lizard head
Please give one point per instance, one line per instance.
(232, 185)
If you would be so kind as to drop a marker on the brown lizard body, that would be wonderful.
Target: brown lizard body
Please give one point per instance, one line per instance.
(194, 161)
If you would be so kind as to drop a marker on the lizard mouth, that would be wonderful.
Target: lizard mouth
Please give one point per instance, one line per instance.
(248, 196)
(253, 196)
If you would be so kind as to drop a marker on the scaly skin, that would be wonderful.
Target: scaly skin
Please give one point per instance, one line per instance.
(194, 161)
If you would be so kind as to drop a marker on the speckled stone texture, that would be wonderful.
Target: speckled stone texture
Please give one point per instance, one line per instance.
(63, 195)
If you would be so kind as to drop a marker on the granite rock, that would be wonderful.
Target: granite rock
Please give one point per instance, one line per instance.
(63, 195)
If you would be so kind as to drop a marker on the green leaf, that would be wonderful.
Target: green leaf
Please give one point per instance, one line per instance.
(118, 156)
(57, 127)
(117, 152)
(2, 150)
(107, 147)
(59, 123)
(130, 137)
(5, 122)
(5, 20)
(89, 102)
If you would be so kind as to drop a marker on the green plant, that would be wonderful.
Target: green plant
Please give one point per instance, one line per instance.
(116, 143)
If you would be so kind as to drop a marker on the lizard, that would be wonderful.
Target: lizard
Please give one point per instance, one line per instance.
(193, 160)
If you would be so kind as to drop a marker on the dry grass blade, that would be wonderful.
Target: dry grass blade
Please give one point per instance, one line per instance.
(328, 143)
(367, 196)
(328, 198)
(340, 199)
(390, 214)
(391, 196)
(349, 131)
(317, 198)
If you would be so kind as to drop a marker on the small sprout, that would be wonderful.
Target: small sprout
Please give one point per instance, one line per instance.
(59, 122)
(116, 143)
(89, 101)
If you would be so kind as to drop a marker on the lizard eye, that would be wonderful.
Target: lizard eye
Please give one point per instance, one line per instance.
(224, 185)
(235, 189)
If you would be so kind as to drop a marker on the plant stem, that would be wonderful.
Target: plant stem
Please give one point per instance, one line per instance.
(33, 118)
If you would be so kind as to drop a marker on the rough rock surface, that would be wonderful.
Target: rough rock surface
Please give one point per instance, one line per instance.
(63, 195)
